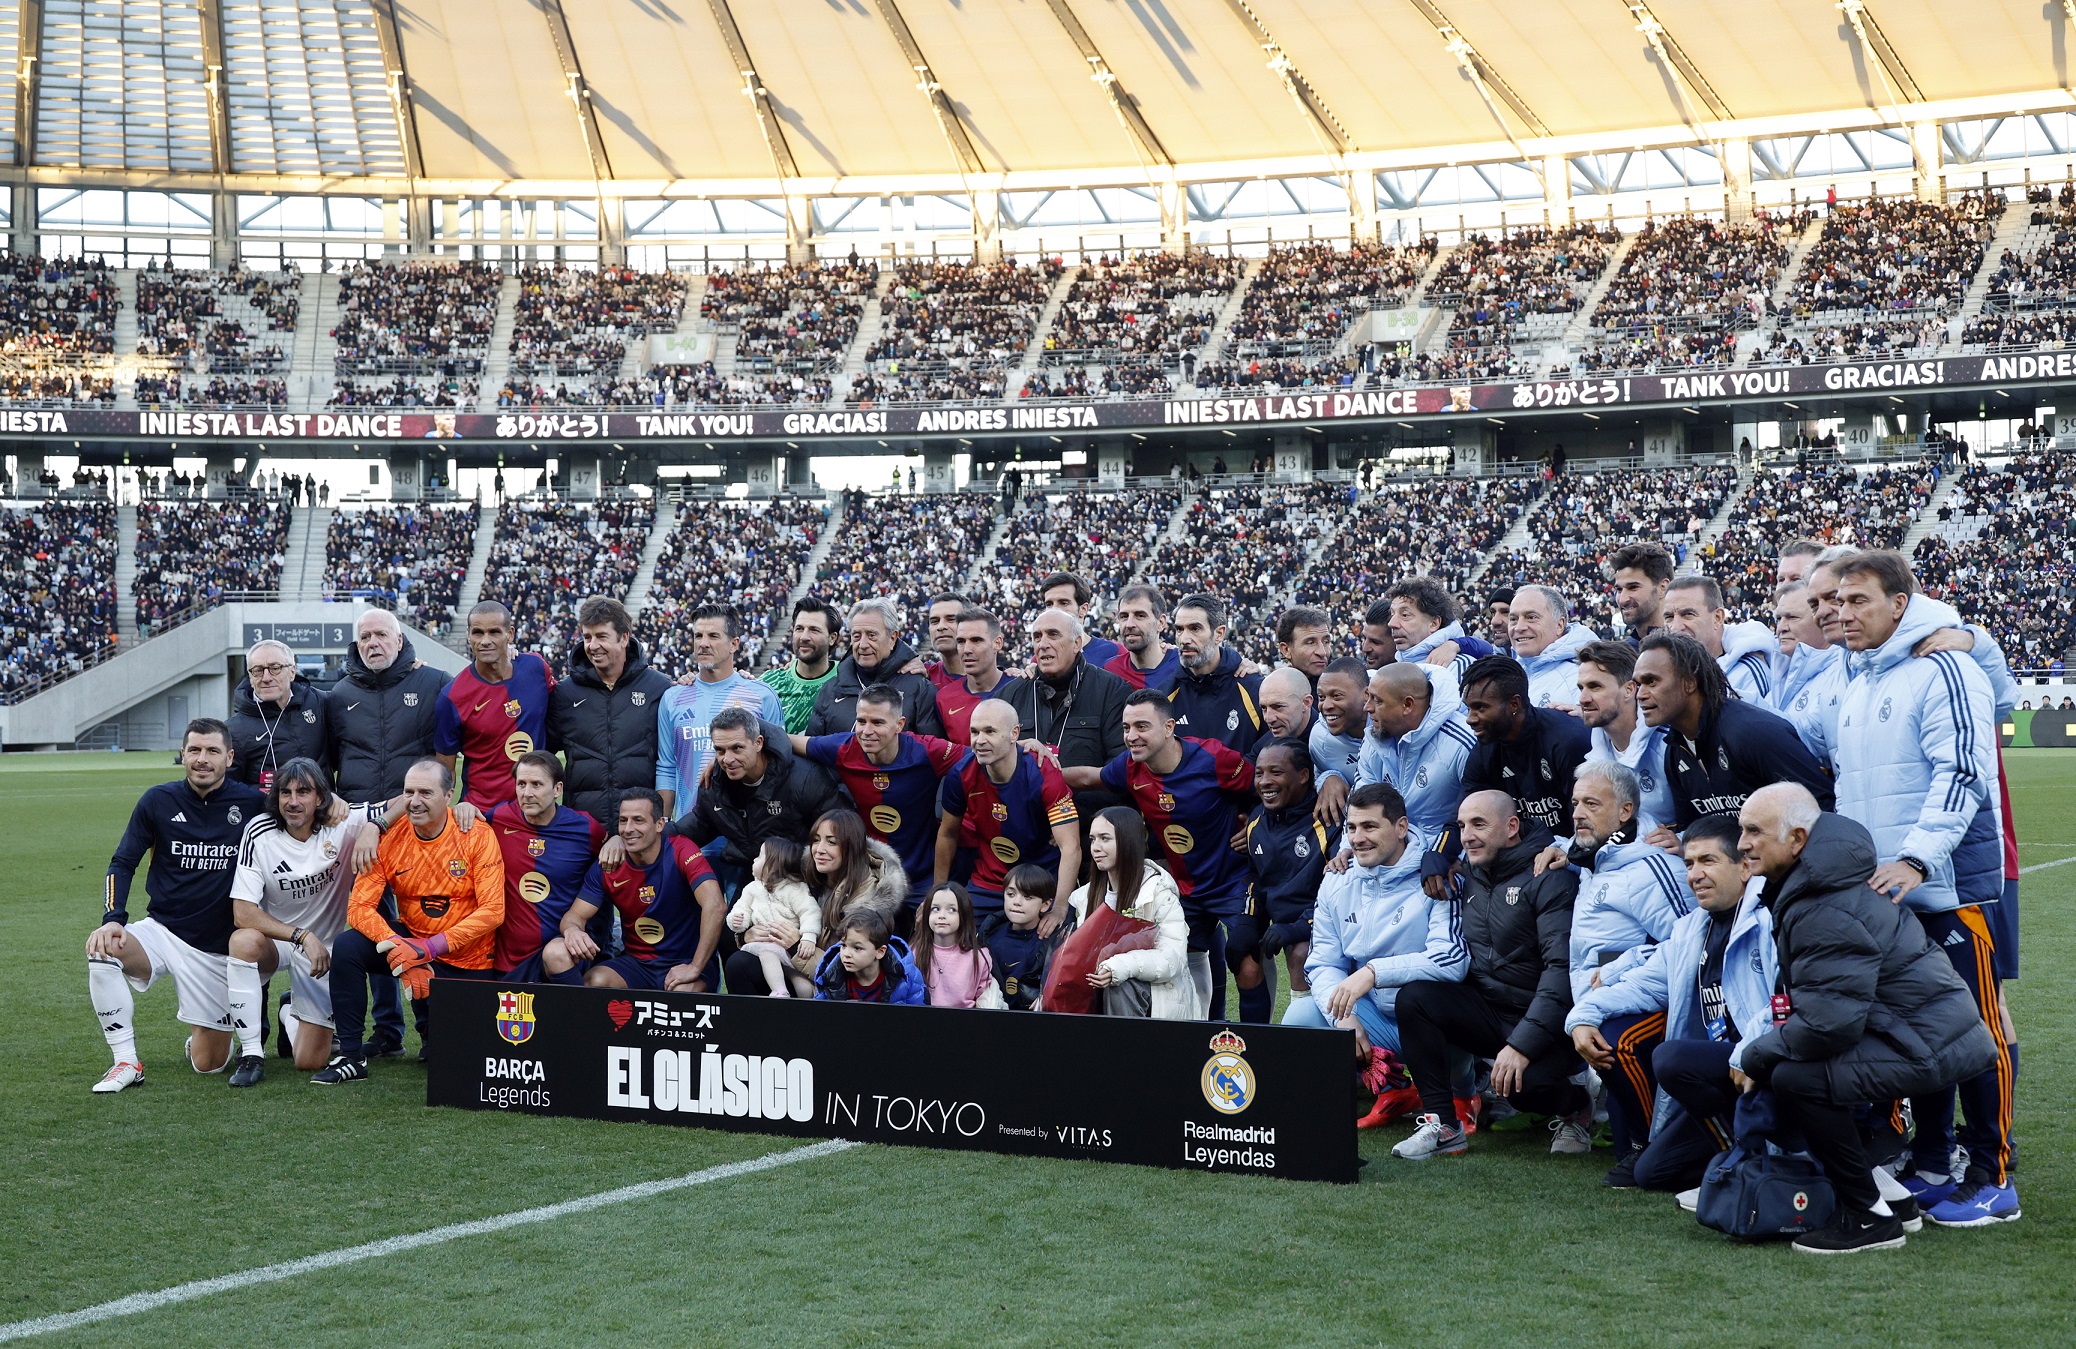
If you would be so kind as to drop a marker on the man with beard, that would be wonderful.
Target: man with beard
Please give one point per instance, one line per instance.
(816, 626)
(1212, 700)
(1146, 661)
(1642, 571)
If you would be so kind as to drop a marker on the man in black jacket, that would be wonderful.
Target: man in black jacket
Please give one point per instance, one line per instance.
(1718, 748)
(1513, 1000)
(603, 717)
(1211, 698)
(1528, 752)
(877, 656)
(1070, 708)
(1868, 1008)
(382, 712)
(758, 789)
(275, 717)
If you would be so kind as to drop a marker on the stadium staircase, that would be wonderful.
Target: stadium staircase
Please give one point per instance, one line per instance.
(1034, 355)
(126, 365)
(1581, 325)
(984, 560)
(126, 576)
(1170, 533)
(303, 562)
(2010, 229)
(472, 582)
(313, 368)
(498, 363)
(811, 565)
(1928, 518)
(645, 574)
(868, 333)
(1719, 523)
(1229, 312)
(1515, 538)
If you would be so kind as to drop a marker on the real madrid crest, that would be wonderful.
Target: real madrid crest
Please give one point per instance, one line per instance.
(235, 815)
(1227, 1080)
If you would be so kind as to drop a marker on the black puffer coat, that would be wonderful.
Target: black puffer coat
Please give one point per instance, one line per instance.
(836, 706)
(382, 723)
(1868, 991)
(607, 736)
(1518, 927)
(263, 739)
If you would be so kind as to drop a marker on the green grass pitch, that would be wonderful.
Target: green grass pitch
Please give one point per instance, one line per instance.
(184, 1179)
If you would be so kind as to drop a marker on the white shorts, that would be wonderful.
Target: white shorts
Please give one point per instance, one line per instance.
(201, 980)
(310, 996)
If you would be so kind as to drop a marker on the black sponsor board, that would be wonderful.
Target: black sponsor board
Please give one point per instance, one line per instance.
(1193, 1095)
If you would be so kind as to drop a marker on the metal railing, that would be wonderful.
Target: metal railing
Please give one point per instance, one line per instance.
(23, 692)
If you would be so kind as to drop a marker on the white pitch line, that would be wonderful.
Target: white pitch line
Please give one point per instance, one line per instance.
(2042, 866)
(311, 1264)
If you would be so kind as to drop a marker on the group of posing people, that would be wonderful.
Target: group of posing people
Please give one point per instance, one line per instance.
(1557, 872)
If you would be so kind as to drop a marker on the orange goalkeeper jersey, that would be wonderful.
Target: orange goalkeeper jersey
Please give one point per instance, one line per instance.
(453, 883)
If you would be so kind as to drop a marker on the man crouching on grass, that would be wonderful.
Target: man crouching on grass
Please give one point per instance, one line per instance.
(450, 900)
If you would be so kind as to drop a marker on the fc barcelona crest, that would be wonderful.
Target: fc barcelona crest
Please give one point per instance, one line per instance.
(515, 1017)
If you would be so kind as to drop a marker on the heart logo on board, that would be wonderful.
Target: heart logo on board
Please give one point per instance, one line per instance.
(621, 1011)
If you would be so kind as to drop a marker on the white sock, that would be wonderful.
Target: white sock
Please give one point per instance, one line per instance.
(292, 1025)
(1890, 1187)
(1881, 1209)
(110, 990)
(245, 1005)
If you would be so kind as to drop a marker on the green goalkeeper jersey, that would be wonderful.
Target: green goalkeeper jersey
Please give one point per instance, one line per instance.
(797, 695)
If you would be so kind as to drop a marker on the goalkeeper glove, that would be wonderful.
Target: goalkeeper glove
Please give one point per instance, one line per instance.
(417, 981)
(407, 953)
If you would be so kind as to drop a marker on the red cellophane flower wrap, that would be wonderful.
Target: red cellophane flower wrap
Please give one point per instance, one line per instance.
(1105, 933)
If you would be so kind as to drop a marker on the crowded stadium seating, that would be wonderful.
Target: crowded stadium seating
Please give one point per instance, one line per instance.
(1103, 537)
(951, 330)
(1515, 289)
(56, 307)
(1306, 297)
(748, 554)
(408, 559)
(402, 391)
(1886, 255)
(1246, 545)
(548, 557)
(571, 322)
(415, 316)
(2001, 554)
(1833, 503)
(796, 320)
(2031, 300)
(1687, 288)
(1441, 527)
(906, 548)
(235, 321)
(57, 590)
(1586, 516)
(1134, 322)
(190, 555)
(670, 386)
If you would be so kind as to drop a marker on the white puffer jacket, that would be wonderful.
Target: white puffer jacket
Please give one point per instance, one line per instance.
(1166, 966)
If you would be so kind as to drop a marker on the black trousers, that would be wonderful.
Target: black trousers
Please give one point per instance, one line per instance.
(1632, 1084)
(1696, 1075)
(354, 958)
(1803, 1101)
(1434, 1018)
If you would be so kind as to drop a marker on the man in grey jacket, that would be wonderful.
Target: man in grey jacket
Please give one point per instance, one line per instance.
(1865, 1008)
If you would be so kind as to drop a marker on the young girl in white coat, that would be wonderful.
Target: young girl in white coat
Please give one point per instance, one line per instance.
(1151, 983)
(778, 894)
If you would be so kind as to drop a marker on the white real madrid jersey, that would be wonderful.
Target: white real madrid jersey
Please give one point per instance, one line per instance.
(304, 883)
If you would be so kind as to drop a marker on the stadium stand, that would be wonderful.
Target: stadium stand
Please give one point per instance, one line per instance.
(748, 554)
(190, 555)
(415, 317)
(1516, 290)
(1246, 545)
(2031, 299)
(1307, 296)
(56, 307)
(572, 322)
(2001, 554)
(1586, 516)
(1102, 537)
(1834, 503)
(404, 392)
(408, 559)
(1441, 527)
(236, 321)
(951, 330)
(796, 320)
(1896, 254)
(548, 557)
(906, 548)
(57, 591)
(1135, 319)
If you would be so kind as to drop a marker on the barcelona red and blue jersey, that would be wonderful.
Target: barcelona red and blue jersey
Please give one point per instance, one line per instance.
(1192, 814)
(898, 800)
(955, 704)
(1161, 678)
(1011, 823)
(491, 724)
(658, 904)
(545, 867)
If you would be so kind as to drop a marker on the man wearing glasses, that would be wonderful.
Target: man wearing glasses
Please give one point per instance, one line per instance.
(276, 717)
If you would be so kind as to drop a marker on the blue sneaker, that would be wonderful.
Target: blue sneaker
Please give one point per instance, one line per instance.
(1927, 1192)
(1977, 1203)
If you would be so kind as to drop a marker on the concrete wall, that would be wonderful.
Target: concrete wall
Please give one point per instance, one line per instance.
(144, 689)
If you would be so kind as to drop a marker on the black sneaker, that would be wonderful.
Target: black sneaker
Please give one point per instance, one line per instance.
(1851, 1231)
(1908, 1214)
(340, 1069)
(424, 1051)
(1623, 1175)
(382, 1047)
(249, 1070)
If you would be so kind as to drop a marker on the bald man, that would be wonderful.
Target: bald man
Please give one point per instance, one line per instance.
(1286, 703)
(1418, 741)
(1011, 807)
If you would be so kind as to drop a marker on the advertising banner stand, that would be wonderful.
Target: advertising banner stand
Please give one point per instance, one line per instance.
(1191, 1095)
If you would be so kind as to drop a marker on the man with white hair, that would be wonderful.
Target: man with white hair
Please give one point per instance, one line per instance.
(878, 655)
(382, 712)
(1547, 643)
(1070, 708)
(275, 717)
(1849, 961)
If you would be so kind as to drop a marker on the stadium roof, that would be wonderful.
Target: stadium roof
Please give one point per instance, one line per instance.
(738, 96)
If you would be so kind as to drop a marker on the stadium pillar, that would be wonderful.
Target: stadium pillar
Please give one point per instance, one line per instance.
(612, 232)
(1556, 191)
(223, 229)
(1925, 154)
(800, 225)
(580, 472)
(1113, 463)
(939, 475)
(1362, 206)
(1475, 452)
(1292, 461)
(1736, 158)
(1664, 443)
(220, 469)
(417, 225)
(987, 224)
(406, 474)
(1174, 199)
(764, 475)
